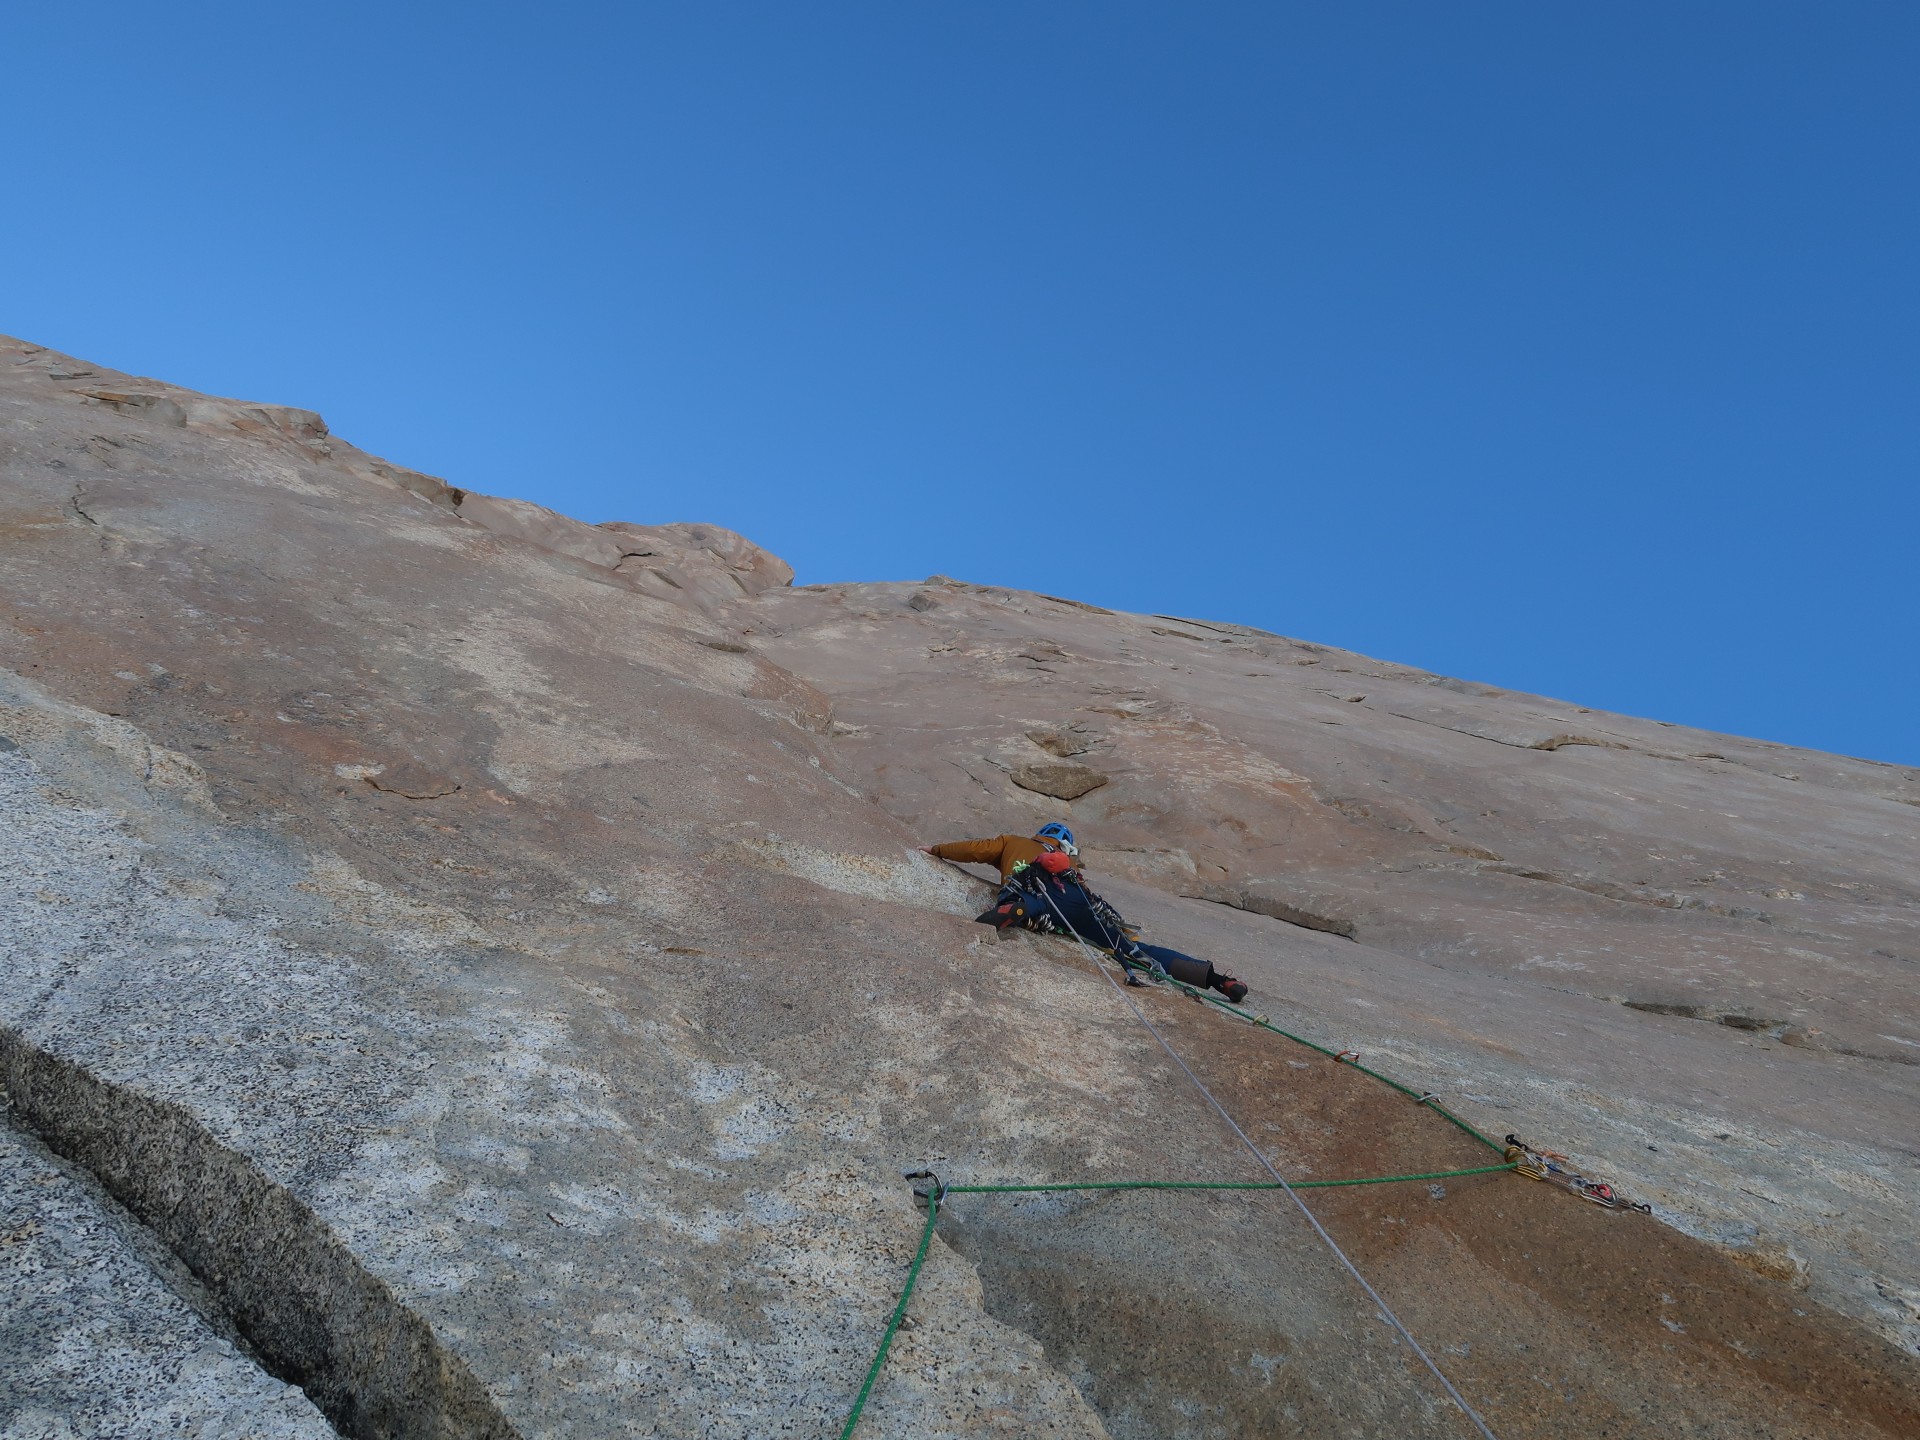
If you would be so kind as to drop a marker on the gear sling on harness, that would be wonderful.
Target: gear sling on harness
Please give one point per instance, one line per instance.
(1036, 894)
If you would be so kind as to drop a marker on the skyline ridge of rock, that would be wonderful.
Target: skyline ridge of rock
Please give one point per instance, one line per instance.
(485, 956)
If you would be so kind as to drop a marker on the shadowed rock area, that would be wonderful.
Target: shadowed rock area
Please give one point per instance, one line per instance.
(484, 958)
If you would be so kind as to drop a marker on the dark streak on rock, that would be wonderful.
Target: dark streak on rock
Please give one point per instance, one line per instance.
(1291, 914)
(413, 792)
(313, 1314)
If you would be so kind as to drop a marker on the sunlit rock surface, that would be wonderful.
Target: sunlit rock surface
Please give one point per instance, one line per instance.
(487, 950)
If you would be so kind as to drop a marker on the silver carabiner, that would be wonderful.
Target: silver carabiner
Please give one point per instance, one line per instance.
(936, 1194)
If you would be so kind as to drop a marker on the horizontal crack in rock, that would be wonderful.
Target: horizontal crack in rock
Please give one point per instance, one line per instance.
(1293, 914)
(1608, 889)
(431, 790)
(1521, 734)
(1787, 1033)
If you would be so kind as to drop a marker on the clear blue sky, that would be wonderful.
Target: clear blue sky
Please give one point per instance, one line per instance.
(1568, 347)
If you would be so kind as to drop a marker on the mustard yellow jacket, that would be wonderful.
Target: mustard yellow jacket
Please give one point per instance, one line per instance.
(1004, 851)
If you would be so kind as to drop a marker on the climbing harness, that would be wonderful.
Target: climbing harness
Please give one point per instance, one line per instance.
(1026, 900)
(1548, 1165)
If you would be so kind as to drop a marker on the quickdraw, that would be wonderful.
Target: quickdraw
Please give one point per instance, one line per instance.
(1551, 1166)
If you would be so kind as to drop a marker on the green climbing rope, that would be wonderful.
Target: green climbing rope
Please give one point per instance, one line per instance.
(1220, 1184)
(933, 1213)
(899, 1313)
(1227, 1008)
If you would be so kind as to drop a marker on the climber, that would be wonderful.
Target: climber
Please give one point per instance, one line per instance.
(1042, 888)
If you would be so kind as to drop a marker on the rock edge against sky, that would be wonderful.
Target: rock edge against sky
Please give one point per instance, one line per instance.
(475, 963)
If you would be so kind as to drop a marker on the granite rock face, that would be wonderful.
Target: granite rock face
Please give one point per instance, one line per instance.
(94, 1342)
(485, 957)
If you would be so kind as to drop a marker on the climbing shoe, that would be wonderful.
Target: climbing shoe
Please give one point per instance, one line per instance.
(1012, 911)
(1234, 990)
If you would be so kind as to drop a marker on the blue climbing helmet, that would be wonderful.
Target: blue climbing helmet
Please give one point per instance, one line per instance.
(1060, 835)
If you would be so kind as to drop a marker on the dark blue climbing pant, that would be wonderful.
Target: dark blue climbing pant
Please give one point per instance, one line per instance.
(1184, 968)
